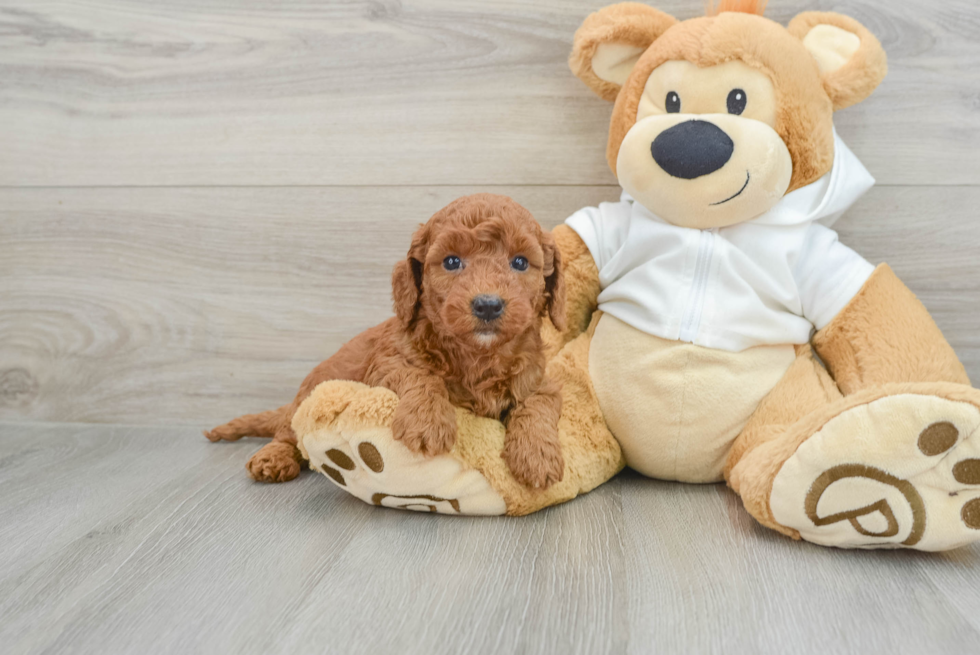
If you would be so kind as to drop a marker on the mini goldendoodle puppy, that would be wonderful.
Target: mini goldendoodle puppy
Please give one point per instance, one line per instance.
(469, 301)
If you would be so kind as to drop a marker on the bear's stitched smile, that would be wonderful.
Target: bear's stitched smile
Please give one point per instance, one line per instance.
(747, 178)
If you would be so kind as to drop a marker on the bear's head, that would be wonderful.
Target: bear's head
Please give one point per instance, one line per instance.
(718, 117)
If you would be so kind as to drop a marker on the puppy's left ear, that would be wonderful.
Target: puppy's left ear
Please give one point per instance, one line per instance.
(554, 282)
(851, 60)
(406, 278)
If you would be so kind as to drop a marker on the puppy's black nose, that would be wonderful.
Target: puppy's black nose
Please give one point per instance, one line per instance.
(692, 149)
(487, 308)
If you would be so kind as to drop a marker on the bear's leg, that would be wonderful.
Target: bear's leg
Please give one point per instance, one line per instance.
(894, 460)
(892, 466)
(805, 388)
(344, 430)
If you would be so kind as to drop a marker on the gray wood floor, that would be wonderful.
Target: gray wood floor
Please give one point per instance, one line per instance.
(201, 200)
(151, 540)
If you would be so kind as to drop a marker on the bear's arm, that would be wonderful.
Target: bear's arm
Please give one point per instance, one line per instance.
(885, 335)
(587, 241)
(872, 330)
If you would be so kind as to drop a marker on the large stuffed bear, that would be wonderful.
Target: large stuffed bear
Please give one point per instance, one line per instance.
(697, 302)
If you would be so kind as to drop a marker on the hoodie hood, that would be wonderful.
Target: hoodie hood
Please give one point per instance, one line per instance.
(826, 199)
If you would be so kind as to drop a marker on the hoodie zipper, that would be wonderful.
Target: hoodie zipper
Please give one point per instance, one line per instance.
(692, 316)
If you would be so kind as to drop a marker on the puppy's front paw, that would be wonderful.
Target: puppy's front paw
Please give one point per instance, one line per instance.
(275, 462)
(428, 428)
(535, 460)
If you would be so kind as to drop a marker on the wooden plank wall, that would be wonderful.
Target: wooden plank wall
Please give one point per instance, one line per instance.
(201, 200)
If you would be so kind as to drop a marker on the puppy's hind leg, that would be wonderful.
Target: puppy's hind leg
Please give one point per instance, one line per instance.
(278, 461)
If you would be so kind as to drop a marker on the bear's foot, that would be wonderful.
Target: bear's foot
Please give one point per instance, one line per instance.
(344, 430)
(900, 470)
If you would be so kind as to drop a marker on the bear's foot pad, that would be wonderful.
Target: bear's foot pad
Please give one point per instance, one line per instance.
(900, 471)
(344, 430)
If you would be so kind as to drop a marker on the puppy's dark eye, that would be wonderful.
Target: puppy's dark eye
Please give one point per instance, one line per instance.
(673, 103)
(452, 263)
(519, 263)
(736, 101)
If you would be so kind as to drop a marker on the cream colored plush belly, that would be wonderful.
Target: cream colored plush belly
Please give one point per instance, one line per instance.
(674, 407)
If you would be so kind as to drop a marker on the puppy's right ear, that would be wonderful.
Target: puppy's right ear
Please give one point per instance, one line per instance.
(554, 282)
(610, 41)
(406, 279)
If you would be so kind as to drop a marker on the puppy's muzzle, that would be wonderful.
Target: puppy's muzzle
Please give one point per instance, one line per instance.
(692, 149)
(487, 308)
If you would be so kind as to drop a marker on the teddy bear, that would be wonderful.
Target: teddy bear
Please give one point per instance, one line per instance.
(717, 330)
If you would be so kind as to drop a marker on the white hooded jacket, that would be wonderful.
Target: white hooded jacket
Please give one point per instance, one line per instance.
(767, 281)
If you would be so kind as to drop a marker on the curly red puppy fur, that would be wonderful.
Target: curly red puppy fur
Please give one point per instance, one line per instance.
(469, 301)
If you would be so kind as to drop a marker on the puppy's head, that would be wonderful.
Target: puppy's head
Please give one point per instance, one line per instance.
(482, 271)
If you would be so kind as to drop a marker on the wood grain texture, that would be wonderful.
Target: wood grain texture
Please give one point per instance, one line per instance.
(151, 540)
(422, 92)
(703, 573)
(191, 306)
(201, 200)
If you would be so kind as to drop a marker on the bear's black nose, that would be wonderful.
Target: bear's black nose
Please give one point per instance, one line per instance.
(487, 308)
(692, 149)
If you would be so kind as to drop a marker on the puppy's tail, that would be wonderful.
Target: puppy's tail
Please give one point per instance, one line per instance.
(265, 424)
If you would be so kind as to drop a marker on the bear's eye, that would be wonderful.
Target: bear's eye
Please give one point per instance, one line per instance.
(452, 263)
(673, 103)
(519, 263)
(736, 101)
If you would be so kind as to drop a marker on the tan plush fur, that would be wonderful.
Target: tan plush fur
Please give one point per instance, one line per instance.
(629, 23)
(883, 342)
(661, 398)
(806, 387)
(754, 474)
(346, 407)
(859, 345)
(886, 335)
(804, 118)
(863, 72)
(806, 99)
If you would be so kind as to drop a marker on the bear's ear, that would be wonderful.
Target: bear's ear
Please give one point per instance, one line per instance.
(851, 60)
(611, 40)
